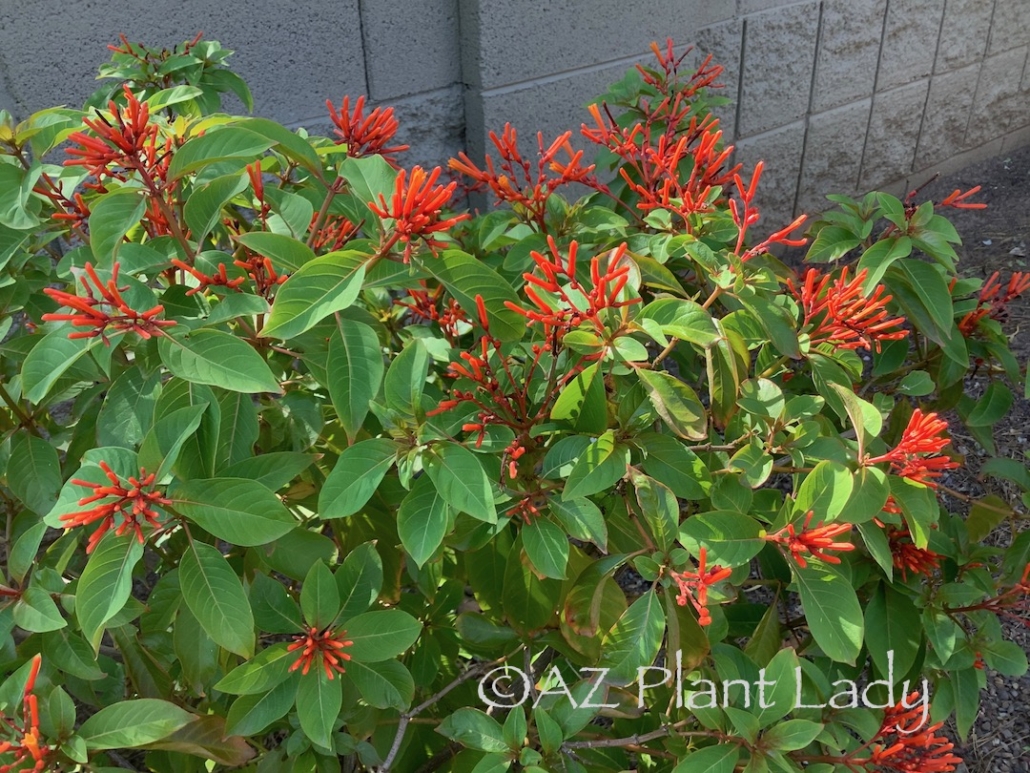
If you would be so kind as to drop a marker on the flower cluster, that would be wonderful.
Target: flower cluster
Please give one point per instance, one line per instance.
(516, 182)
(562, 302)
(904, 745)
(957, 200)
(416, 210)
(993, 300)
(907, 557)
(431, 306)
(333, 233)
(133, 502)
(745, 215)
(219, 279)
(110, 310)
(837, 311)
(366, 135)
(694, 586)
(814, 541)
(23, 739)
(917, 456)
(325, 645)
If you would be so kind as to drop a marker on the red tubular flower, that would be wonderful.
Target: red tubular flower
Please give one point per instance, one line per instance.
(957, 199)
(993, 300)
(90, 311)
(838, 313)
(366, 135)
(326, 645)
(431, 306)
(22, 739)
(133, 502)
(905, 746)
(219, 279)
(917, 455)
(694, 586)
(262, 272)
(814, 541)
(909, 558)
(416, 209)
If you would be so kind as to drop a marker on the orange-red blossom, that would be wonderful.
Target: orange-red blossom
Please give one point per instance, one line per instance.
(326, 645)
(813, 541)
(917, 455)
(25, 744)
(993, 300)
(694, 586)
(416, 209)
(366, 135)
(905, 746)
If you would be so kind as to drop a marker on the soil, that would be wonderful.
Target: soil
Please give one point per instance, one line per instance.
(996, 239)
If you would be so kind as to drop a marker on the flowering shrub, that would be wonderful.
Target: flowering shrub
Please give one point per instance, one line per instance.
(307, 469)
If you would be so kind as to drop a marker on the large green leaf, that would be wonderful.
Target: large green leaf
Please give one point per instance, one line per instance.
(825, 491)
(203, 209)
(128, 724)
(319, 700)
(34, 472)
(676, 403)
(214, 594)
(582, 402)
(893, 631)
(355, 370)
(547, 548)
(285, 252)
(474, 729)
(48, 361)
(721, 758)
(381, 635)
(423, 520)
(105, 584)
(461, 480)
(217, 359)
(729, 538)
(320, 596)
(324, 285)
(675, 465)
(600, 466)
(112, 216)
(635, 639)
(240, 511)
(832, 610)
(228, 143)
(356, 476)
(465, 278)
(387, 685)
(261, 673)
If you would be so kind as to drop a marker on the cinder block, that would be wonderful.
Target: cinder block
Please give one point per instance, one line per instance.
(293, 62)
(953, 164)
(909, 43)
(753, 6)
(781, 150)
(890, 146)
(723, 42)
(963, 33)
(1010, 27)
(833, 154)
(432, 124)
(520, 40)
(395, 66)
(849, 46)
(947, 115)
(779, 53)
(1000, 105)
(8, 101)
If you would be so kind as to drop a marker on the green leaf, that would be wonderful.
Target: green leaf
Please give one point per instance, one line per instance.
(582, 402)
(34, 472)
(23, 553)
(868, 496)
(160, 448)
(832, 610)
(227, 143)
(684, 320)
(381, 635)
(675, 465)
(832, 242)
(285, 252)
(252, 714)
(918, 506)
(128, 410)
(461, 480)
(217, 359)
(367, 179)
(387, 685)
(635, 639)
(238, 430)
(359, 580)
(320, 287)
(792, 735)
(291, 145)
(406, 378)
(993, 406)
(917, 384)
(985, 515)
(355, 370)
(762, 397)
(239, 511)
(878, 258)
(203, 208)
(581, 518)
(825, 491)
(129, 724)
(729, 538)
(319, 596)
(465, 278)
(208, 738)
(966, 684)
(547, 548)
(214, 594)
(356, 476)
(893, 630)
(659, 508)
(423, 520)
(474, 729)
(676, 403)
(721, 758)
(273, 470)
(599, 467)
(112, 216)
(259, 674)
(319, 700)
(36, 612)
(48, 361)
(105, 584)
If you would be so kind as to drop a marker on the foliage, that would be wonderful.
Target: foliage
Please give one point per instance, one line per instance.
(305, 471)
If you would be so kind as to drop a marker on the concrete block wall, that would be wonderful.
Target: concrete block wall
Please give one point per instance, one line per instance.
(835, 95)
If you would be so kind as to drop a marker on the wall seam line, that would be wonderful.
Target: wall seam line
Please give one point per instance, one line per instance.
(929, 87)
(980, 74)
(740, 86)
(872, 101)
(364, 48)
(808, 111)
(541, 80)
